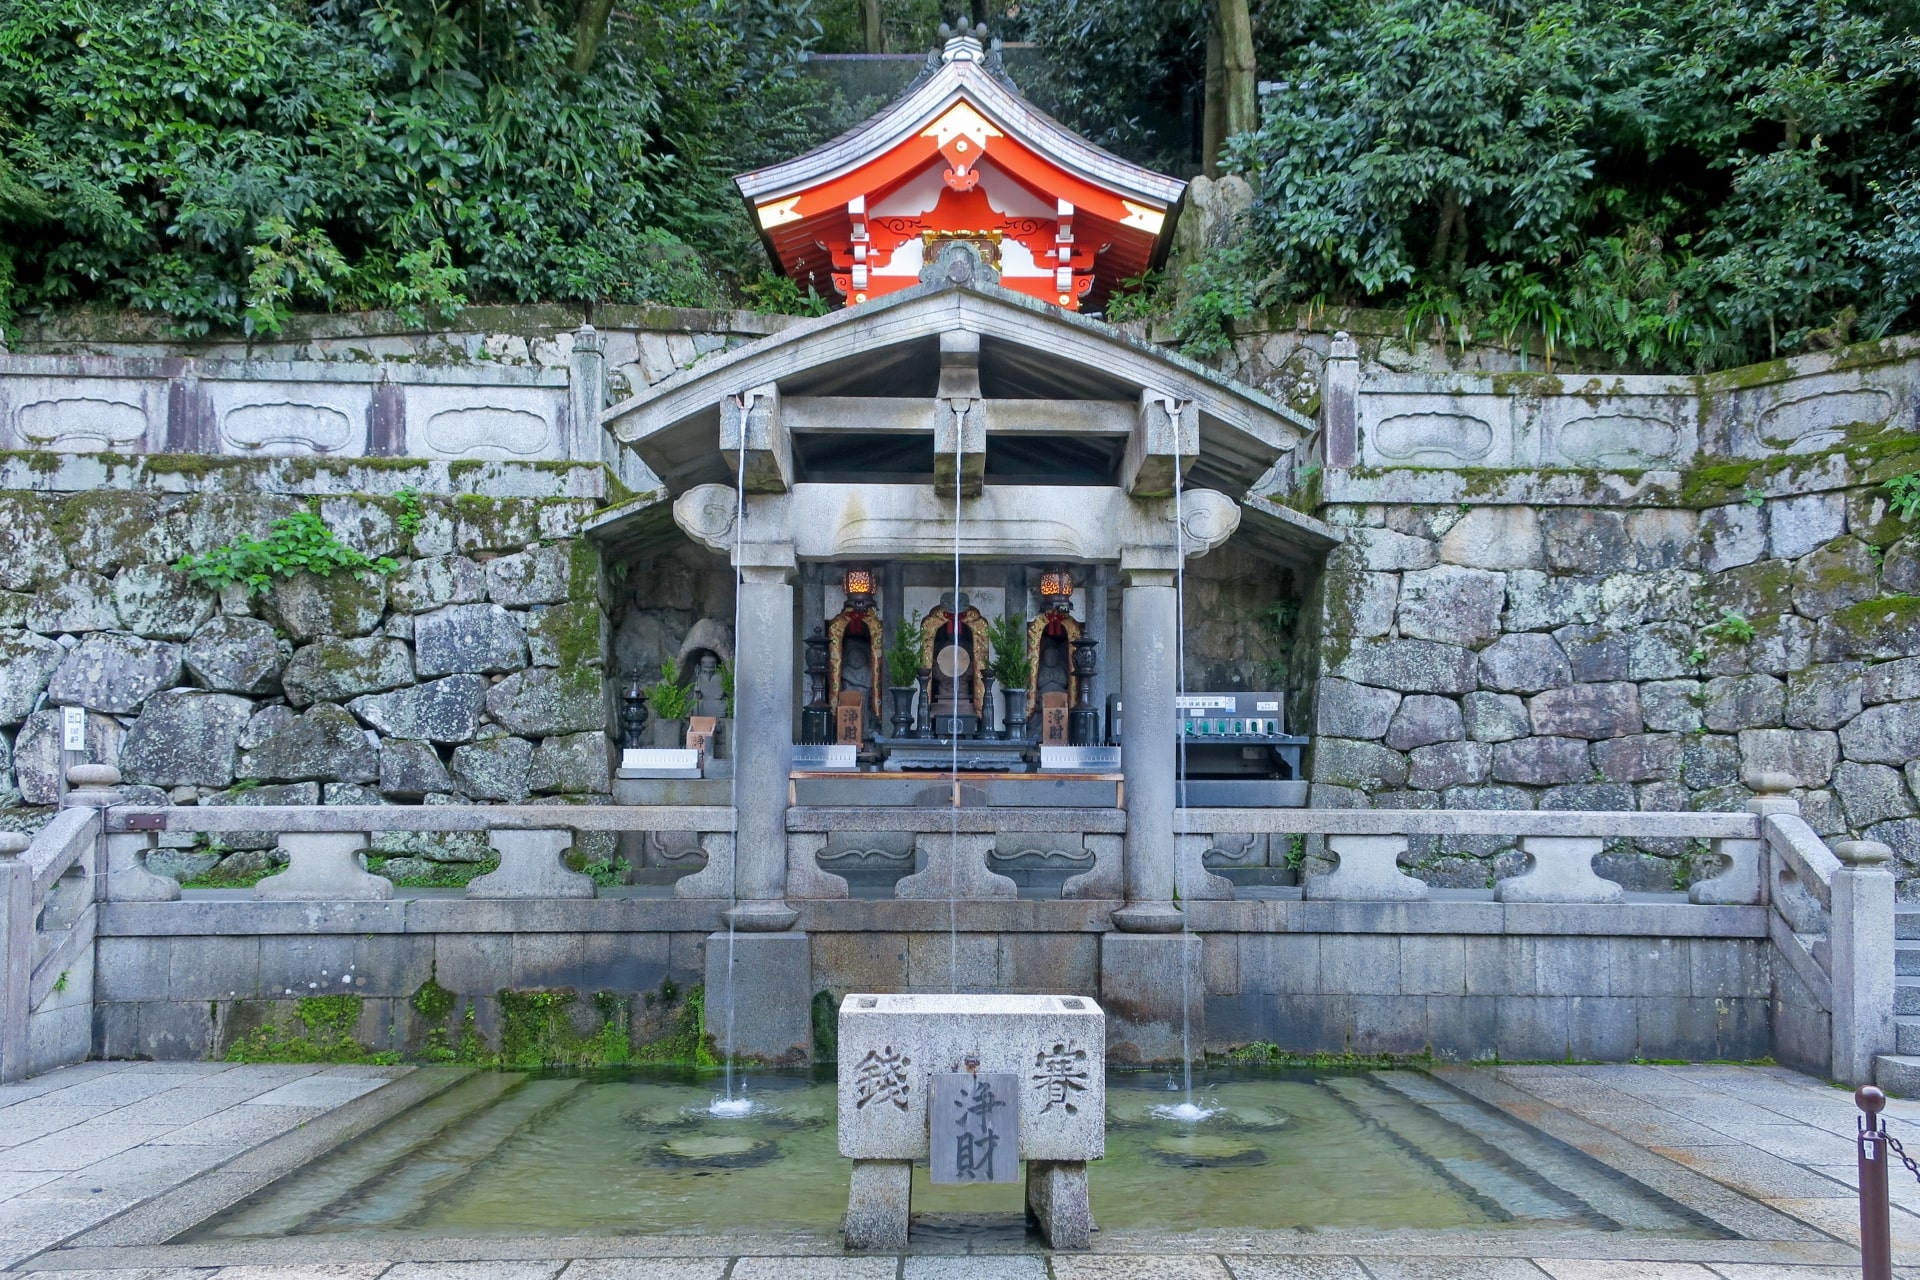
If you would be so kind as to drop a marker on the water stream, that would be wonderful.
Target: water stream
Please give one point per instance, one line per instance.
(953, 772)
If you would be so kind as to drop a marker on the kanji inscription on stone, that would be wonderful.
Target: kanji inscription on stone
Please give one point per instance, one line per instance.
(881, 1077)
(975, 1128)
(1060, 1076)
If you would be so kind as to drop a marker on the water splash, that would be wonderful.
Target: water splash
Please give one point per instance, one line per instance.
(1183, 1112)
(733, 1108)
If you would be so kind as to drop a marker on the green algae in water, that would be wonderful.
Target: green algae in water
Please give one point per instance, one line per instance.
(636, 1152)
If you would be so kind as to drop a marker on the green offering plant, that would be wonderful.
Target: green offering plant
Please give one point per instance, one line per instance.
(726, 686)
(1011, 662)
(903, 653)
(668, 698)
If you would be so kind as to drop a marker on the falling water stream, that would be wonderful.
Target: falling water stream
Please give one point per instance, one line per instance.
(953, 836)
(730, 1107)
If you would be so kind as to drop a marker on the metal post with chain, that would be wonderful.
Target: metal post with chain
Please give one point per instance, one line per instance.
(1873, 1144)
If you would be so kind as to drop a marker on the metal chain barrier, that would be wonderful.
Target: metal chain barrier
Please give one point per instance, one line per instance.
(1901, 1151)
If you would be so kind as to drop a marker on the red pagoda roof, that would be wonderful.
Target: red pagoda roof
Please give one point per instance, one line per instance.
(962, 156)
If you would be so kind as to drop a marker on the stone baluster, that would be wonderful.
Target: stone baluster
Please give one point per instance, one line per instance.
(531, 867)
(1368, 871)
(324, 867)
(956, 867)
(1862, 959)
(1561, 871)
(1741, 882)
(1340, 402)
(96, 786)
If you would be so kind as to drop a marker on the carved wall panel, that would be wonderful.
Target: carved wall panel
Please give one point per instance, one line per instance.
(1430, 438)
(83, 415)
(1626, 440)
(1809, 423)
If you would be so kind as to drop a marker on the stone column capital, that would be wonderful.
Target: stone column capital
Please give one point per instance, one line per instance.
(1148, 566)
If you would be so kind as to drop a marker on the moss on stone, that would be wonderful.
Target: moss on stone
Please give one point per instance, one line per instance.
(689, 1043)
(321, 1029)
(583, 570)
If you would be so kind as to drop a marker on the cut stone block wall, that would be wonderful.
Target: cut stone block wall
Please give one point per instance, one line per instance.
(1465, 980)
(1623, 641)
(473, 672)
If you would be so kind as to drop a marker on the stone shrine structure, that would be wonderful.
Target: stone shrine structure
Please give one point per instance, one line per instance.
(1554, 689)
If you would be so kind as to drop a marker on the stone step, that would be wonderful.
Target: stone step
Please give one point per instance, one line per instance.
(1898, 1074)
(1906, 959)
(1906, 1035)
(1906, 995)
(1906, 922)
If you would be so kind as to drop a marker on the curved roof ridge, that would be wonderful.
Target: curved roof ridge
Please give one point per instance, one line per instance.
(923, 101)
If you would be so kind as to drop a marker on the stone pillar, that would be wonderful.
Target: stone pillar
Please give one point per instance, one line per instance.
(1149, 647)
(763, 731)
(1862, 941)
(1153, 988)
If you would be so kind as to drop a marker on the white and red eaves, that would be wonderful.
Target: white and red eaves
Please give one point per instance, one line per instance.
(963, 156)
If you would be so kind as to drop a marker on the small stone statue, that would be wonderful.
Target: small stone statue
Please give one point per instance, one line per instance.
(709, 694)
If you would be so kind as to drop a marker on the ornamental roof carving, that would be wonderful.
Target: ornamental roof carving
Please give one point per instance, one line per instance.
(961, 155)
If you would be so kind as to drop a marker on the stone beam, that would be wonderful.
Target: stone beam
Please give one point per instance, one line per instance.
(959, 426)
(753, 420)
(1166, 434)
(1019, 522)
(833, 415)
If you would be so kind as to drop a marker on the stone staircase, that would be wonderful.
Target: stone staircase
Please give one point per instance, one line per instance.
(1899, 1072)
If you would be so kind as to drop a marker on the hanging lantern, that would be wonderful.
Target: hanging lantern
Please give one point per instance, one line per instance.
(858, 582)
(1056, 585)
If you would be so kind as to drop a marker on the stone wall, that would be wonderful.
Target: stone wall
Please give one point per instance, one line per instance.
(472, 671)
(1464, 981)
(1623, 641)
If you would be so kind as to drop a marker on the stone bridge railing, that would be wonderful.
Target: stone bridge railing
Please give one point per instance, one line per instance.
(1829, 911)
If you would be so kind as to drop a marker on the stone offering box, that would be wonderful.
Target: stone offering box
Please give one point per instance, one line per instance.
(892, 1046)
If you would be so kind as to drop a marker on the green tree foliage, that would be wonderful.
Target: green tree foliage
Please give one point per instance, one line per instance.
(1673, 183)
(225, 161)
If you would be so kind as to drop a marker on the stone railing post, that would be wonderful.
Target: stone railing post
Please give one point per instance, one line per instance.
(587, 395)
(16, 954)
(127, 879)
(1369, 871)
(1862, 942)
(1561, 871)
(1742, 882)
(531, 867)
(1340, 403)
(324, 867)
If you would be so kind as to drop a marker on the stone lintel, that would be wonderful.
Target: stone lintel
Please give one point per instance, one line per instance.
(1165, 435)
(754, 420)
(1079, 524)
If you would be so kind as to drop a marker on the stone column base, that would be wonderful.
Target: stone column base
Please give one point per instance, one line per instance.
(1153, 988)
(771, 991)
(879, 1202)
(1057, 1202)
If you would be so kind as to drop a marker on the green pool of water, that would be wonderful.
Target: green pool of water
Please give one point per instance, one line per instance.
(636, 1152)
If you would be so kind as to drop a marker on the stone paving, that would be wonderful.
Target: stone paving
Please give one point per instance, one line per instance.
(101, 1163)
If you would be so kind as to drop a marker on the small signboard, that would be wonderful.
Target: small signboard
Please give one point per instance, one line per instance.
(1079, 759)
(73, 728)
(812, 757)
(975, 1121)
(1053, 719)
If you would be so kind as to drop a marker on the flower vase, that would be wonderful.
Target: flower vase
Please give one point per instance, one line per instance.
(903, 695)
(1016, 717)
